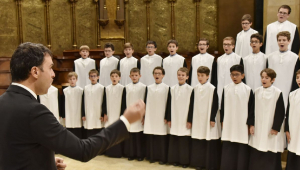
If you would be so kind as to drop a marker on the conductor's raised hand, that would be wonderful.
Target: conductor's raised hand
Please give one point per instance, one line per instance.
(60, 165)
(135, 112)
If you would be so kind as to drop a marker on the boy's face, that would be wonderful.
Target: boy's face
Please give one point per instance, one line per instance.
(298, 79)
(283, 14)
(94, 78)
(158, 76)
(283, 43)
(228, 46)
(72, 81)
(84, 53)
(172, 48)
(135, 77)
(246, 25)
(255, 44)
(202, 77)
(150, 49)
(266, 81)
(202, 46)
(237, 77)
(115, 78)
(128, 52)
(182, 77)
(108, 52)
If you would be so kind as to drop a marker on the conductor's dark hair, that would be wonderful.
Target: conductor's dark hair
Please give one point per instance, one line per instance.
(257, 36)
(285, 7)
(159, 68)
(26, 56)
(109, 45)
(238, 68)
(151, 42)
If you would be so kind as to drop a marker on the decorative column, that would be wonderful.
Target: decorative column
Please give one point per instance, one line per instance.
(73, 14)
(198, 33)
(19, 15)
(47, 19)
(126, 21)
(97, 25)
(172, 18)
(148, 17)
(103, 20)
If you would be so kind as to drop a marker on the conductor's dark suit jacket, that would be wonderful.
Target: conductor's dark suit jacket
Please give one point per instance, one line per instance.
(30, 134)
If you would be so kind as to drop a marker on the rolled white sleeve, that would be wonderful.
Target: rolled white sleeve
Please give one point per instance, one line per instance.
(127, 124)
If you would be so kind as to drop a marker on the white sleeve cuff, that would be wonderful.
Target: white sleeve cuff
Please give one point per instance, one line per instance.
(127, 124)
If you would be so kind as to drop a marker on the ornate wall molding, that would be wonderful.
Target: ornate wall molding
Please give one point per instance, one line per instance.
(97, 25)
(73, 16)
(198, 34)
(172, 18)
(47, 20)
(148, 17)
(126, 20)
(19, 16)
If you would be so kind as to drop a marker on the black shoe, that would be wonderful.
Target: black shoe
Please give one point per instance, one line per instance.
(162, 163)
(140, 159)
(184, 166)
(130, 159)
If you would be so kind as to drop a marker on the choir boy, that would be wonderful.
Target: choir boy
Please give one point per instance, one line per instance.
(107, 64)
(203, 59)
(172, 63)
(127, 63)
(83, 65)
(93, 102)
(206, 143)
(115, 105)
(236, 109)
(242, 47)
(180, 120)
(134, 147)
(149, 62)
(267, 138)
(255, 62)
(292, 128)
(72, 105)
(155, 127)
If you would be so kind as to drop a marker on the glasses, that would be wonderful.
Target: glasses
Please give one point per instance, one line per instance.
(93, 76)
(107, 51)
(235, 75)
(227, 45)
(158, 74)
(282, 13)
(254, 42)
(202, 45)
(246, 23)
(150, 47)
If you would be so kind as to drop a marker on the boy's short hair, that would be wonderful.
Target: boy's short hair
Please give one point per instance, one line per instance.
(135, 70)
(93, 71)
(257, 36)
(203, 69)
(159, 68)
(173, 42)
(270, 72)
(184, 69)
(204, 39)
(115, 71)
(84, 47)
(238, 68)
(128, 45)
(109, 45)
(151, 42)
(285, 34)
(71, 74)
(285, 7)
(298, 72)
(247, 17)
(230, 39)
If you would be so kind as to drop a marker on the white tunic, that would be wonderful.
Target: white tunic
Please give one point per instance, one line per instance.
(242, 47)
(201, 60)
(106, 66)
(284, 66)
(171, 65)
(82, 68)
(273, 29)
(93, 98)
(157, 97)
(135, 92)
(73, 101)
(253, 65)
(224, 63)
(203, 100)
(126, 64)
(265, 105)
(236, 99)
(180, 103)
(114, 95)
(148, 63)
(294, 126)
(50, 100)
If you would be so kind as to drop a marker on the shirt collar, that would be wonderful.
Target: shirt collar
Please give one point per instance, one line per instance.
(283, 51)
(136, 82)
(26, 88)
(173, 55)
(230, 53)
(203, 53)
(181, 84)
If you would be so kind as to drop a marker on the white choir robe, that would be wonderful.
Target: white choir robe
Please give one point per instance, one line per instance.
(180, 106)
(82, 68)
(269, 114)
(273, 29)
(171, 64)
(115, 102)
(126, 64)
(157, 106)
(237, 104)
(148, 63)
(73, 106)
(203, 60)
(51, 101)
(93, 103)
(242, 45)
(254, 63)
(285, 64)
(106, 66)
(205, 111)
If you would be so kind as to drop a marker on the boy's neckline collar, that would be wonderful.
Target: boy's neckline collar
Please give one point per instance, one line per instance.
(109, 57)
(136, 82)
(203, 83)
(247, 30)
(173, 55)
(284, 51)
(230, 53)
(267, 87)
(84, 58)
(203, 53)
(72, 86)
(151, 55)
(158, 83)
(181, 84)
(255, 53)
(94, 84)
